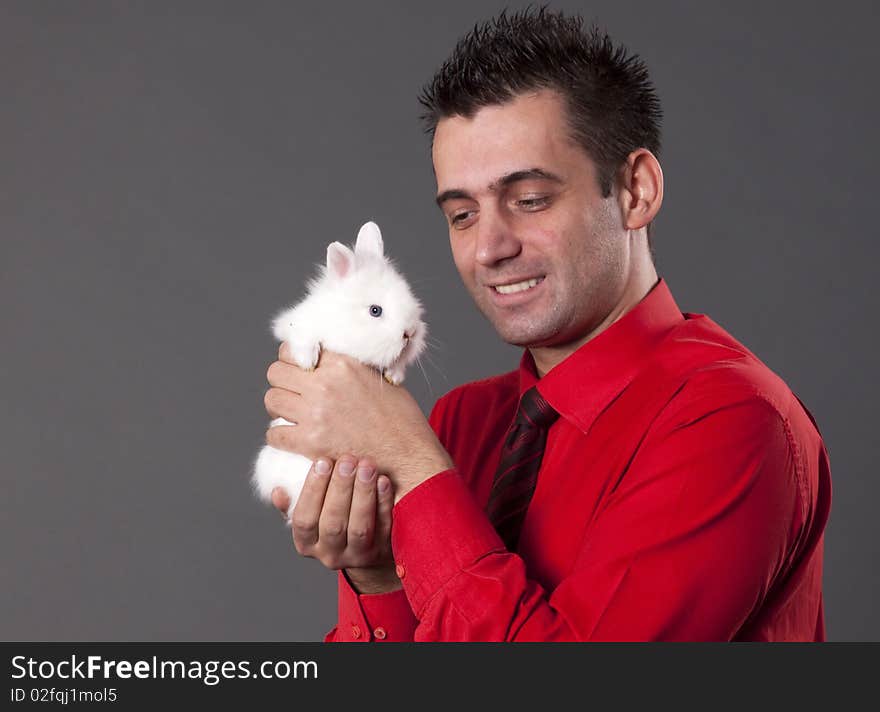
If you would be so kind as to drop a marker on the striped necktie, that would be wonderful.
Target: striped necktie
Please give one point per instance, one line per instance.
(517, 473)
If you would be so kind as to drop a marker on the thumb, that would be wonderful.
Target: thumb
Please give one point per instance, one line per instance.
(280, 500)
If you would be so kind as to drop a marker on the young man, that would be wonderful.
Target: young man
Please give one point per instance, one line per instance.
(640, 476)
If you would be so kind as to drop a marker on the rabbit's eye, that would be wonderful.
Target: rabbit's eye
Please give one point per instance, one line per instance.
(375, 310)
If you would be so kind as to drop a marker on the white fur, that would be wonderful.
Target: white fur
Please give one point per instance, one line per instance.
(335, 315)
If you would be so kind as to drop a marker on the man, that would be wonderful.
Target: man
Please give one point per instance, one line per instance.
(640, 476)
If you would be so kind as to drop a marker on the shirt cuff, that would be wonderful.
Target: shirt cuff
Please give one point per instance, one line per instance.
(365, 617)
(438, 530)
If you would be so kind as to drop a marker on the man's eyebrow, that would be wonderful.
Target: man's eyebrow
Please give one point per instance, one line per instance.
(454, 194)
(502, 182)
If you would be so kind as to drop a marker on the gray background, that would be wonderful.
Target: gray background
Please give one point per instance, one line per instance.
(171, 172)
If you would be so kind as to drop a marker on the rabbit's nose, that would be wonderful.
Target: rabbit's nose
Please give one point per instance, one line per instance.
(407, 335)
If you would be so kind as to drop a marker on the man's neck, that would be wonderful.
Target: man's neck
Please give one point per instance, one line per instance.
(641, 282)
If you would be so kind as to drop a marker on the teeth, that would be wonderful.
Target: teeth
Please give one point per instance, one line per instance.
(518, 287)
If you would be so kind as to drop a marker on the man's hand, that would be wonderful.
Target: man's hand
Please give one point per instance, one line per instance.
(343, 519)
(344, 406)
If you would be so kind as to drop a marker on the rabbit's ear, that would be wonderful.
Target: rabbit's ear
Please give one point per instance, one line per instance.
(369, 240)
(340, 259)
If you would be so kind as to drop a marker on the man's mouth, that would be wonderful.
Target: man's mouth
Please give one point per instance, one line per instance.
(520, 286)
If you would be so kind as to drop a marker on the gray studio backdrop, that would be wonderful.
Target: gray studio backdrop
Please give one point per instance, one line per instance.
(170, 173)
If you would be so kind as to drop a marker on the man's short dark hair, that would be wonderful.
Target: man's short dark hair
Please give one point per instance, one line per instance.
(612, 105)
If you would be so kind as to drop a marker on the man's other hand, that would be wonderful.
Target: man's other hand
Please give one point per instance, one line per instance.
(343, 519)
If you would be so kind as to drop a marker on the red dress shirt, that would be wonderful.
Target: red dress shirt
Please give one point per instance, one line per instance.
(683, 495)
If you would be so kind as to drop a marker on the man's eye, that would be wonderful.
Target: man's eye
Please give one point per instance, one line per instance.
(532, 203)
(459, 218)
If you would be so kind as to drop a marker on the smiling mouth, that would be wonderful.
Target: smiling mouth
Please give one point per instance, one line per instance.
(521, 286)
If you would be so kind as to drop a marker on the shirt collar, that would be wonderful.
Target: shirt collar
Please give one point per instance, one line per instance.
(586, 381)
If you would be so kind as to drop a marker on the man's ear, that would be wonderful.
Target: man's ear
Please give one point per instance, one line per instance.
(641, 189)
(340, 259)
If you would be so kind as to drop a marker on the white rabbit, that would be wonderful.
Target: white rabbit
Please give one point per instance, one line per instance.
(359, 306)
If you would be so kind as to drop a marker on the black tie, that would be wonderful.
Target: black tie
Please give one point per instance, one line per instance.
(517, 473)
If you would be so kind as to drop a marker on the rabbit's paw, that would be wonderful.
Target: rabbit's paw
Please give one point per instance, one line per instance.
(305, 353)
(394, 375)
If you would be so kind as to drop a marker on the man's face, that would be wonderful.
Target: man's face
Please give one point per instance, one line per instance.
(523, 203)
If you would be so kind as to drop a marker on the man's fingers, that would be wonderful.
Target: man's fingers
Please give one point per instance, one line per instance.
(362, 518)
(283, 437)
(286, 375)
(306, 514)
(384, 505)
(281, 403)
(337, 505)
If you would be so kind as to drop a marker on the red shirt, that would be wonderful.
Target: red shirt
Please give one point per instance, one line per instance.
(683, 495)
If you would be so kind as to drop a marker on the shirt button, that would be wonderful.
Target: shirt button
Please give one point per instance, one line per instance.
(355, 632)
(400, 570)
(380, 633)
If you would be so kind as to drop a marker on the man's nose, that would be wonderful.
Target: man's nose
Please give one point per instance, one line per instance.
(496, 240)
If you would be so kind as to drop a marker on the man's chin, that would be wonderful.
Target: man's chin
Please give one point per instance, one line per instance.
(525, 337)
(522, 332)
